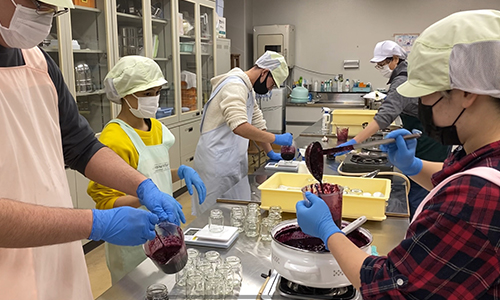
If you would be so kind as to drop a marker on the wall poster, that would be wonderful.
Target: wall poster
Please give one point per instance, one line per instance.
(406, 40)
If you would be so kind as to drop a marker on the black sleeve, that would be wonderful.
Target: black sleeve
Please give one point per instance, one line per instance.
(78, 139)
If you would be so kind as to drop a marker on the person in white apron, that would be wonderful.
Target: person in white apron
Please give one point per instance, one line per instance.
(41, 255)
(451, 248)
(143, 142)
(231, 118)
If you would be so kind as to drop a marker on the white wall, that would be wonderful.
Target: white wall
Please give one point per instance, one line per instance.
(329, 31)
(239, 28)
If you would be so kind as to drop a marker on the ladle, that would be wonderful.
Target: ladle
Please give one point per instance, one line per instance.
(314, 153)
(354, 225)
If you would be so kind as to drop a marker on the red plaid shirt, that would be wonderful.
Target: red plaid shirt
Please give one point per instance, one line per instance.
(452, 248)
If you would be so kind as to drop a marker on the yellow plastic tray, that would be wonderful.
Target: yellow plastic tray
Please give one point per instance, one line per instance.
(353, 206)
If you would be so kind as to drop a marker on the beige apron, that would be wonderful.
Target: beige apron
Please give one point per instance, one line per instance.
(154, 163)
(32, 171)
(490, 174)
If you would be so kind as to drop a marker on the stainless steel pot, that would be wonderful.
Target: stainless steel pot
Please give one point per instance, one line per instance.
(309, 268)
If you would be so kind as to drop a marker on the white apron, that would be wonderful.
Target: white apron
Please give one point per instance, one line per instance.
(490, 174)
(153, 163)
(32, 171)
(221, 157)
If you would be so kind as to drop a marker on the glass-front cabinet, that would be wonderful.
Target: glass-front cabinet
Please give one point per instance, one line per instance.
(187, 33)
(129, 19)
(162, 52)
(207, 50)
(90, 61)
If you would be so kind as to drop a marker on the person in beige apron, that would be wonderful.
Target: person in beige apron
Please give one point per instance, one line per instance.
(451, 249)
(143, 142)
(41, 256)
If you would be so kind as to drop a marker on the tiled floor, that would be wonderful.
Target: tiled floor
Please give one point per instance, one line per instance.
(100, 279)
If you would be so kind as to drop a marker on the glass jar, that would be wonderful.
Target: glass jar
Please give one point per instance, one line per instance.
(157, 291)
(265, 229)
(237, 218)
(195, 285)
(214, 286)
(227, 276)
(275, 215)
(252, 225)
(213, 257)
(235, 263)
(216, 221)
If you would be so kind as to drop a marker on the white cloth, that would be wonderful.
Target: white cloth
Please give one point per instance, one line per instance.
(221, 157)
(189, 78)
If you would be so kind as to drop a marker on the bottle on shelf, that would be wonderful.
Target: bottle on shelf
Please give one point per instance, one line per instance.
(347, 86)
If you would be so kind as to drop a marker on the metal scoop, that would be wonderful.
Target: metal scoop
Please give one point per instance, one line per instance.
(315, 152)
(354, 225)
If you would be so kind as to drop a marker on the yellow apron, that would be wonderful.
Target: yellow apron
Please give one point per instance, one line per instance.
(153, 163)
(32, 171)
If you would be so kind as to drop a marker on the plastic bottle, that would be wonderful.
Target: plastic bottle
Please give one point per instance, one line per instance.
(347, 86)
(327, 118)
(316, 86)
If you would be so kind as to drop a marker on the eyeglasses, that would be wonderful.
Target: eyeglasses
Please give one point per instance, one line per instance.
(44, 9)
(380, 65)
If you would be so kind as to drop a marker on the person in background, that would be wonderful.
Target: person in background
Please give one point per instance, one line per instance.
(390, 60)
(451, 248)
(143, 143)
(41, 255)
(231, 118)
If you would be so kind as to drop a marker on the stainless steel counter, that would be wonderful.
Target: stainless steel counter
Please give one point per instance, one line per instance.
(256, 254)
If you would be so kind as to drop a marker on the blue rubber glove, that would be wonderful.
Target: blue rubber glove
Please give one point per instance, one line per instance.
(284, 139)
(348, 143)
(161, 204)
(402, 152)
(192, 178)
(314, 218)
(274, 156)
(124, 226)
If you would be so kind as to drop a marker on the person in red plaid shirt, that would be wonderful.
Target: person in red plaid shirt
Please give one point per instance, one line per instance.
(451, 249)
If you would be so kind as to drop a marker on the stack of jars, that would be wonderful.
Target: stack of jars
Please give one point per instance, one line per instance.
(210, 276)
(251, 223)
(267, 224)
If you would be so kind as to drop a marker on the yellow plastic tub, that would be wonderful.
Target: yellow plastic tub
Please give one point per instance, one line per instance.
(352, 118)
(284, 189)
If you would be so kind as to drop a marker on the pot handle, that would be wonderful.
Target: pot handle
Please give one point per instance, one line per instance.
(301, 269)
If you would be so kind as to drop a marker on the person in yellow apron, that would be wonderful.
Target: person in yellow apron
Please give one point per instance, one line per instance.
(451, 248)
(143, 142)
(41, 255)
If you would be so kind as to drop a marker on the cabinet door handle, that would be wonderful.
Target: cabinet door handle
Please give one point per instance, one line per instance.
(198, 113)
(191, 158)
(189, 129)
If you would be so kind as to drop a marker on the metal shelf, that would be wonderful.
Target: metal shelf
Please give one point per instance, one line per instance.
(85, 8)
(83, 51)
(128, 16)
(97, 92)
(163, 21)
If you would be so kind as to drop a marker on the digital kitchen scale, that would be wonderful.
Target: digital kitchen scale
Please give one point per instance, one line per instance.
(283, 165)
(203, 237)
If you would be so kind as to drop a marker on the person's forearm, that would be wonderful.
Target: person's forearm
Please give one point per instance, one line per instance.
(266, 146)
(127, 200)
(26, 225)
(175, 175)
(367, 132)
(428, 169)
(109, 169)
(250, 132)
(349, 257)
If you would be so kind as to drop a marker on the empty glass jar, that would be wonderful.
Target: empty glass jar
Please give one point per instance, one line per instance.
(237, 218)
(216, 221)
(235, 263)
(265, 229)
(157, 291)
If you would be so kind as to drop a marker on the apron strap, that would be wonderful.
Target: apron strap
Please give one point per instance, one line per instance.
(132, 134)
(216, 91)
(487, 173)
(34, 58)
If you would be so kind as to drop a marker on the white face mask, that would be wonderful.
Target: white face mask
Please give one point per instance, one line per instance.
(27, 28)
(386, 71)
(146, 107)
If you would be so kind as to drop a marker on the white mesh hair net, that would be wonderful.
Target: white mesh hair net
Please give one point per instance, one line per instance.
(475, 68)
